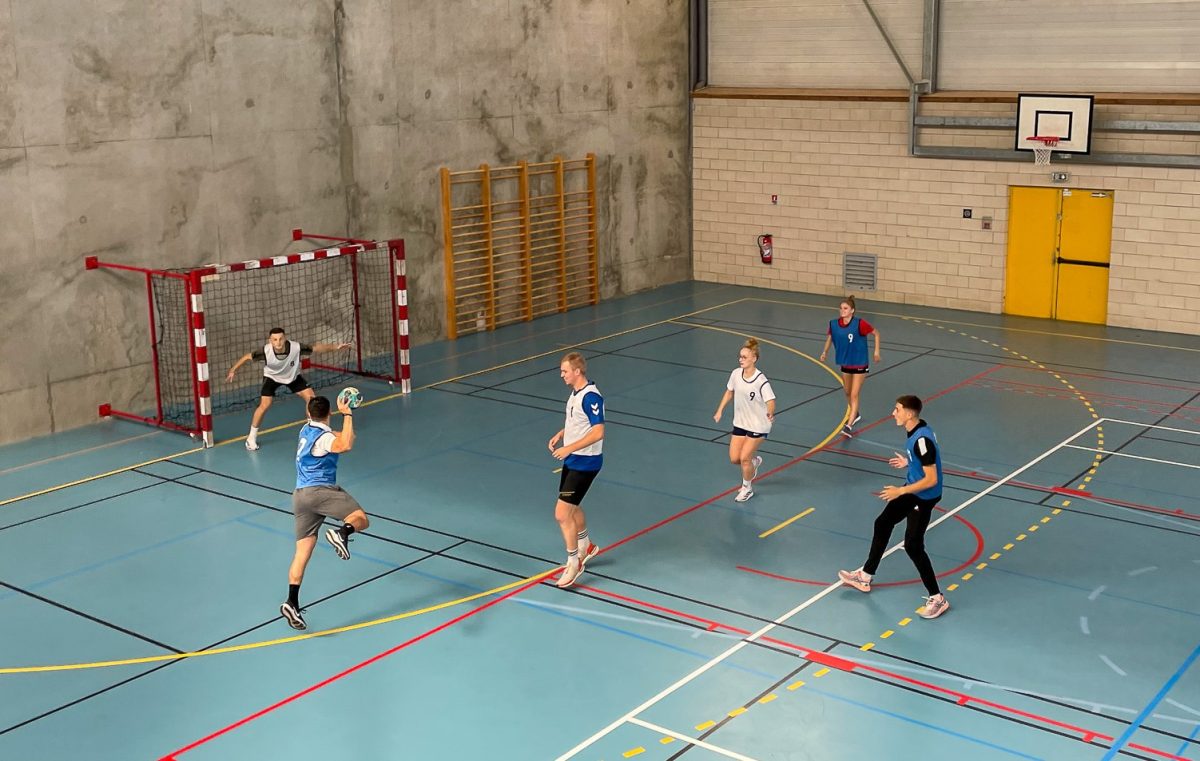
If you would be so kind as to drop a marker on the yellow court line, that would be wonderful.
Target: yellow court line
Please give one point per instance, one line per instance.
(522, 360)
(274, 642)
(86, 450)
(743, 334)
(796, 517)
(126, 469)
(381, 399)
(981, 325)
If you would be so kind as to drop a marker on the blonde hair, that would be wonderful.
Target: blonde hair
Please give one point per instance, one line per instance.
(576, 361)
(850, 300)
(752, 345)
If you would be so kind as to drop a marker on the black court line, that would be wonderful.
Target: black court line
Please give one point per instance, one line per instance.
(76, 611)
(1007, 497)
(89, 617)
(463, 540)
(589, 353)
(749, 703)
(85, 504)
(1144, 429)
(702, 603)
(218, 643)
(1195, 443)
(1057, 365)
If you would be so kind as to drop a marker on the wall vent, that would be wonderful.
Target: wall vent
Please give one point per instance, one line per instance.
(859, 272)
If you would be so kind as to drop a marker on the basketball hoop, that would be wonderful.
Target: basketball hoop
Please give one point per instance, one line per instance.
(1041, 153)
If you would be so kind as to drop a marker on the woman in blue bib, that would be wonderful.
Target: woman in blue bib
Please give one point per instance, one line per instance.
(848, 334)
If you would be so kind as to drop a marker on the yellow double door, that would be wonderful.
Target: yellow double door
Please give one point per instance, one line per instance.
(1059, 247)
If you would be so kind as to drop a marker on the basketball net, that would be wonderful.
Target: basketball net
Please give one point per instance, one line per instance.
(1041, 152)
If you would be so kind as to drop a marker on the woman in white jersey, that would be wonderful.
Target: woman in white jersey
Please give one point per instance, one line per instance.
(753, 414)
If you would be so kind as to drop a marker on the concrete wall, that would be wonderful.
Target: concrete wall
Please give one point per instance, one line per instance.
(173, 134)
(847, 184)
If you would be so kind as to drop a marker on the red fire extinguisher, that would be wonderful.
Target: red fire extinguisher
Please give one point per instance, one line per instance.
(764, 247)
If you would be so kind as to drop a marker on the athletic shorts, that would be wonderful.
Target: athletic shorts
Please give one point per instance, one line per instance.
(270, 385)
(313, 504)
(748, 434)
(573, 484)
(855, 370)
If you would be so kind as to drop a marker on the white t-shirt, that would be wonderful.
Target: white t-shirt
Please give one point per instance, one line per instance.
(324, 443)
(750, 399)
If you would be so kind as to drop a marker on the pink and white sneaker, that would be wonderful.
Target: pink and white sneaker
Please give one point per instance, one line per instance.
(860, 580)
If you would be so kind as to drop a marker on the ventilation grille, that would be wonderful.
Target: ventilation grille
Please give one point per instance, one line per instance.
(858, 272)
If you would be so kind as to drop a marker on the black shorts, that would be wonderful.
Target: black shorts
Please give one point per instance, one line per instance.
(270, 385)
(856, 370)
(573, 484)
(748, 434)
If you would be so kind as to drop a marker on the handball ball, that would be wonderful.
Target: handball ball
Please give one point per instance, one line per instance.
(351, 397)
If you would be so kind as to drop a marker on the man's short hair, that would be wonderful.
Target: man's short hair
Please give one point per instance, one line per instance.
(276, 332)
(910, 402)
(318, 407)
(576, 361)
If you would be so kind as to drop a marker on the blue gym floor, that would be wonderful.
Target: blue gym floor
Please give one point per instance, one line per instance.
(1069, 547)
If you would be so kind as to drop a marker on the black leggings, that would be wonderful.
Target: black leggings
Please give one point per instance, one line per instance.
(917, 512)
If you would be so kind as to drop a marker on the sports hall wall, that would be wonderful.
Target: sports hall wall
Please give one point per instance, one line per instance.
(174, 134)
(847, 184)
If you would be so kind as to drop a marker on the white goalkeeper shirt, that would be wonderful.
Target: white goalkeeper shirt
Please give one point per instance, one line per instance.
(282, 368)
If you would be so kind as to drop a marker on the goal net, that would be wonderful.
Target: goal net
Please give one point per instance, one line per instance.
(203, 320)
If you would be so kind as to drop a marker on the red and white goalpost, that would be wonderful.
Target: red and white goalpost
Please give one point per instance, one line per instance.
(203, 319)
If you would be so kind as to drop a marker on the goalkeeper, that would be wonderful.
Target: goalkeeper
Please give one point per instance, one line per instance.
(282, 368)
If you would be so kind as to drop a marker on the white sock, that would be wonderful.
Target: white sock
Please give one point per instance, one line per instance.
(584, 542)
(745, 484)
(253, 432)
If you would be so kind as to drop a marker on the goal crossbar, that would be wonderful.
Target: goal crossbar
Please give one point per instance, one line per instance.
(355, 292)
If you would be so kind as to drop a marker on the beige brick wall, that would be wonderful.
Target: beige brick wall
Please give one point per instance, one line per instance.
(846, 183)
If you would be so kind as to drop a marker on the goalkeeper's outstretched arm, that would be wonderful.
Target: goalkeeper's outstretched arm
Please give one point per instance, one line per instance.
(245, 358)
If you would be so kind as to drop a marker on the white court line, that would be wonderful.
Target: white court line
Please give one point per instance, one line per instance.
(1148, 425)
(827, 590)
(1133, 456)
(694, 741)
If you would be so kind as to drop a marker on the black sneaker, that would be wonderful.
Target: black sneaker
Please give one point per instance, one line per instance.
(339, 542)
(294, 619)
(847, 431)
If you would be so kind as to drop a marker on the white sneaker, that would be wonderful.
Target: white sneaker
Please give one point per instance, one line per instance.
(569, 574)
(744, 493)
(584, 557)
(757, 461)
(252, 445)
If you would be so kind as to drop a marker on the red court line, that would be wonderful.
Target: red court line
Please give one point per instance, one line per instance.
(518, 590)
(241, 722)
(1074, 374)
(848, 666)
(1090, 393)
(1177, 512)
(824, 583)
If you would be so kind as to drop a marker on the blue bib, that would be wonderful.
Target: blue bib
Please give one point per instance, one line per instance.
(310, 469)
(916, 471)
(850, 349)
